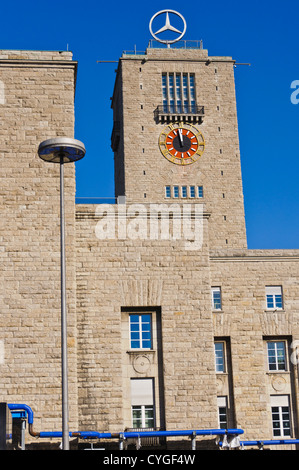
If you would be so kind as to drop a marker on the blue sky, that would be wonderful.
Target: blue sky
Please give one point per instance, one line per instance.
(263, 33)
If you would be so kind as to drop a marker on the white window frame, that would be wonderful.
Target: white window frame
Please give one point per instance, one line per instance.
(280, 408)
(274, 353)
(176, 191)
(223, 358)
(222, 405)
(200, 192)
(142, 399)
(216, 290)
(168, 192)
(274, 295)
(140, 331)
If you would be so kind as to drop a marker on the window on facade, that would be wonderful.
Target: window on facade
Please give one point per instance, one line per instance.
(142, 402)
(167, 191)
(276, 355)
(220, 356)
(176, 191)
(280, 409)
(140, 331)
(178, 93)
(274, 297)
(184, 191)
(199, 191)
(192, 191)
(222, 412)
(216, 298)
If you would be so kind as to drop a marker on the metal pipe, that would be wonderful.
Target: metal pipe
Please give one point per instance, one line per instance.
(64, 365)
(119, 435)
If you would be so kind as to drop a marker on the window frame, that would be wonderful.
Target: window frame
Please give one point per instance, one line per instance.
(222, 411)
(273, 293)
(143, 400)
(223, 357)
(215, 290)
(275, 342)
(140, 331)
(281, 408)
(178, 92)
(143, 418)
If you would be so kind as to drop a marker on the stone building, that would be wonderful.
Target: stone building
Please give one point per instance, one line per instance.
(173, 323)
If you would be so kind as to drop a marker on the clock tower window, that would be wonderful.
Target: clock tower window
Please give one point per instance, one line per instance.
(179, 98)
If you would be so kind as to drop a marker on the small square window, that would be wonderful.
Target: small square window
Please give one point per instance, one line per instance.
(274, 298)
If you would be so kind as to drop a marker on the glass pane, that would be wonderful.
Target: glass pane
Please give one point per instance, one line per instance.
(149, 416)
(270, 303)
(137, 417)
(278, 301)
(200, 191)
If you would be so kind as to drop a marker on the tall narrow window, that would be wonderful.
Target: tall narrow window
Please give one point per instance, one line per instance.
(216, 298)
(192, 191)
(178, 91)
(164, 92)
(140, 331)
(185, 93)
(176, 191)
(276, 355)
(142, 402)
(281, 422)
(199, 191)
(219, 356)
(171, 93)
(274, 297)
(192, 93)
(184, 191)
(222, 412)
(167, 191)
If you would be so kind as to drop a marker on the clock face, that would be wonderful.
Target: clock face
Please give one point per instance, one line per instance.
(181, 143)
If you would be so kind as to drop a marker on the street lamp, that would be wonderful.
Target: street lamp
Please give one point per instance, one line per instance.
(62, 150)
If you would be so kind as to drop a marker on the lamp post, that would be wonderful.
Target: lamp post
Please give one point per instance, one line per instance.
(62, 150)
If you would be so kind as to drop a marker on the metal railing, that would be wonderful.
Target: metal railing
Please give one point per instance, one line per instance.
(167, 111)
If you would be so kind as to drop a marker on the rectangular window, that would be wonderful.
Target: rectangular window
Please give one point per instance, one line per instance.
(167, 191)
(274, 297)
(219, 356)
(140, 331)
(178, 93)
(276, 355)
(222, 412)
(216, 298)
(192, 191)
(280, 409)
(184, 191)
(176, 191)
(199, 191)
(142, 402)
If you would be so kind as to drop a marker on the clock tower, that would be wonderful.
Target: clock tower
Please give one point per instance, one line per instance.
(175, 135)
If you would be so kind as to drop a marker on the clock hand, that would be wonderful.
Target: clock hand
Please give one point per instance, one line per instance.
(181, 137)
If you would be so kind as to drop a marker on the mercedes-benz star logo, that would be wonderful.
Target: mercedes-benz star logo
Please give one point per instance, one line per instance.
(168, 27)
